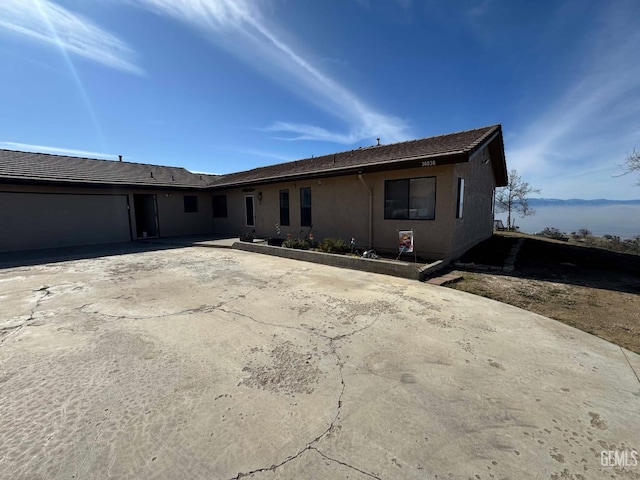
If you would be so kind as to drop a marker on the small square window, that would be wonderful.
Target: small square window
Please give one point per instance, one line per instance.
(190, 204)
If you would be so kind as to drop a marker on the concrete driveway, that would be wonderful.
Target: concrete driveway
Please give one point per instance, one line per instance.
(203, 363)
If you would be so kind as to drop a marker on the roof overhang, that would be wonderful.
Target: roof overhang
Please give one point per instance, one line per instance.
(399, 164)
(101, 185)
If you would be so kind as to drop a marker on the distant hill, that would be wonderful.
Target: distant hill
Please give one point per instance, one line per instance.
(556, 202)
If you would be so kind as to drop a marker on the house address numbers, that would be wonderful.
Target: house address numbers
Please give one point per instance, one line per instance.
(428, 163)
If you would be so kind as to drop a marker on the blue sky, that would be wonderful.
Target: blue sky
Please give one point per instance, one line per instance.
(226, 85)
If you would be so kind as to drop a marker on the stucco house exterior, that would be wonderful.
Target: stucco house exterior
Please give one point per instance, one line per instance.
(440, 187)
(49, 201)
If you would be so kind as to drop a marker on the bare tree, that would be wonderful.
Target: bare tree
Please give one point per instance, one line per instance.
(584, 232)
(631, 164)
(515, 198)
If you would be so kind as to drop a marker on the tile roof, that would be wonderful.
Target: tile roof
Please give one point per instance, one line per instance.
(387, 156)
(31, 167)
(43, 167)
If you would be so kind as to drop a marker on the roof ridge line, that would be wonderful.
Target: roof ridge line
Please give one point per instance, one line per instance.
(98, 159)
(374, 147)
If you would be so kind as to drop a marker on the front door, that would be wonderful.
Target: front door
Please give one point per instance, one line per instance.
(249, 210)
(146, 211)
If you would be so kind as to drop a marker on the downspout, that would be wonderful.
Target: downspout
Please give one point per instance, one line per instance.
(370, 210)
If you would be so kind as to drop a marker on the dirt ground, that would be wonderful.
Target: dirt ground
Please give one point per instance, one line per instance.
(591, 289)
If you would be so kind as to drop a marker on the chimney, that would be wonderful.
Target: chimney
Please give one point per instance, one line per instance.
(378, 142)
(120, 157)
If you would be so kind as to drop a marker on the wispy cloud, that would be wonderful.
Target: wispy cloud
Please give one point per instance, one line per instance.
(203, 173)
(479, 8)
(300, 131)
(47, 22)
(367, 3)
(241, 27)
(589, 124)
(264, 153)
(27, 147)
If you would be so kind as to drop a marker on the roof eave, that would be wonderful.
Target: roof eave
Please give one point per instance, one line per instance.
(85, 183)
(403, 163)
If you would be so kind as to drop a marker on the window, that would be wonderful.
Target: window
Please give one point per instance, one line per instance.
(249, 210)
(219, 206)
(412, 198)
(284, 207)
(305, 207)
(190, 204)
(460, 197)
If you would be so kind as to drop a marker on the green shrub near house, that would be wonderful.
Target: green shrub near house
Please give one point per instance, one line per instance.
(334, 245)
(297, 243)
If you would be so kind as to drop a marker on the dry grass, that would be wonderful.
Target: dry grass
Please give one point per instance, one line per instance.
(591, 289)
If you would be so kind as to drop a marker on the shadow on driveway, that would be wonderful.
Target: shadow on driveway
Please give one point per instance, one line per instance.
(64, 254)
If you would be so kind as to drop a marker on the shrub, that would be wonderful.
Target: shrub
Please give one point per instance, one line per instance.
(297, 243)
(334, 245)
(551, 232)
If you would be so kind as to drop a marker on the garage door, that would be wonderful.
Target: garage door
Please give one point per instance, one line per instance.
(43, 220)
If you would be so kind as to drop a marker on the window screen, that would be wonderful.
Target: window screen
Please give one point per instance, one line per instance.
(460, 197)
(305, 206)
(413, 199)
(284, 207)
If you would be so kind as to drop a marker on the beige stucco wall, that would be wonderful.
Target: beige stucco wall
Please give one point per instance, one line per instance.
(432, 238)
(173, 219)
(35, 216)
(476, 223)
(46, 220)
(340, 208)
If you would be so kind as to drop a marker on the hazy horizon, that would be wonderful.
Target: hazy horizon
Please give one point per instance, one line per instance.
(620, 220)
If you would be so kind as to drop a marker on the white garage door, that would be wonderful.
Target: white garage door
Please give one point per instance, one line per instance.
(44, 220)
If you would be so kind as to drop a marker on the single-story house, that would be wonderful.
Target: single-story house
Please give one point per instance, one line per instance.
(440, 187)
(49, 201)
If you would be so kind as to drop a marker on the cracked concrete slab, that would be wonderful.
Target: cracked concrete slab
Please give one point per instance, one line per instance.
(220, 364)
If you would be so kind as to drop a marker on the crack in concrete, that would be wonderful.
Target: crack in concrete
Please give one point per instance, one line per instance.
(630, 366)
(309, 445)
(18, 328)
(301, 329)
(332, 346)
(345, 464)
(339, 362)
(188, 311)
